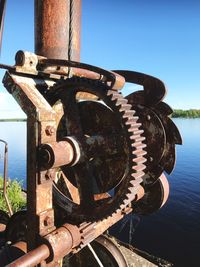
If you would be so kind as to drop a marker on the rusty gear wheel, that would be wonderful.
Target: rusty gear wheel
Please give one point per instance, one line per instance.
(161, 133)
(96, 201)
(99, 121)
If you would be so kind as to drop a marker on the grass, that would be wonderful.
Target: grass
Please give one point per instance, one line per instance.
(15, 195)
(190, 113)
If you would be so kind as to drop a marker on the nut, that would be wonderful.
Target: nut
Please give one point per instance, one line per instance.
(50, 130)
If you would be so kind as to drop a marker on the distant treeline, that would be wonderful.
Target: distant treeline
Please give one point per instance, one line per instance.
(177, 113)
(12, 120)
(190, 113)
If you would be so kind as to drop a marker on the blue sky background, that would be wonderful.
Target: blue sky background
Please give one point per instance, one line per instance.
(157, 37)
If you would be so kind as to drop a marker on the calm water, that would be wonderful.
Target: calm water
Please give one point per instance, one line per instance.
(172, 233)
(14, 133)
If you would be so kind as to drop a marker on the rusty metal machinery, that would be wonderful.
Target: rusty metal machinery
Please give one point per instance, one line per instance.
(93, 155)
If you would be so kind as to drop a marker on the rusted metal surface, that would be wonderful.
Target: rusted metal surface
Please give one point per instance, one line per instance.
(33, 258)
(85, 178)
(57, 29)
(86, 161)
(41, 123)
(160, 132)
(101, 252)
(105, 144)
(40, 115)
(53, 247)
(57, 154)
(115, 80)
(154, 198)
(75, 239)
(70, 234)
(104, 243)
(12, 252)
(65, 136)
(30, 63)
(154, 89)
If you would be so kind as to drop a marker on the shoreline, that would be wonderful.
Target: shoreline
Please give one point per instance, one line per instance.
(12, 120)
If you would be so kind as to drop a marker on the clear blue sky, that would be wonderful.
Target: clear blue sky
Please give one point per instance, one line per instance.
(157, 37)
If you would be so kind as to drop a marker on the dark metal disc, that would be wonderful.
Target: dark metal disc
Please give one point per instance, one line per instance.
(16, 227)
(106, 163)
(4, 217)
(155, 197)
(104, 249)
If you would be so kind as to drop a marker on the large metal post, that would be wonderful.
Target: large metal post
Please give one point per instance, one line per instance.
(57, 35)
(57, 28)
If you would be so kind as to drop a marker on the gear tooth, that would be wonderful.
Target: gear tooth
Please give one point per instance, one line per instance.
(113, 94)
(125, 107)
(139, 167)
(138, 153)
(138, 132)
(125, 203)
(137, 175)
(137, 182)
(129, 198)
(127, 113)
(134, 127)
(121, 101)
(132, 120)
(137, 137)
(139, 160)
(138, 145)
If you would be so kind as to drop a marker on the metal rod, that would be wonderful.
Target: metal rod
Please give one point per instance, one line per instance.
(2, 14)
(5, 173)
(95, 255)
(57, 29)
(32, 258)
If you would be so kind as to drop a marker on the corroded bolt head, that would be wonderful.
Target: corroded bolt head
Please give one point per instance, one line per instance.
(50, 130)
(47, 221)
(20, 58)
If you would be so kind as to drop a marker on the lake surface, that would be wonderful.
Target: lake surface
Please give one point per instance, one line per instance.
(172, 233)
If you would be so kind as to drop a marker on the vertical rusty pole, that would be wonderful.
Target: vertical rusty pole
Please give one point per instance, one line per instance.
(57, 35)
(57, 28)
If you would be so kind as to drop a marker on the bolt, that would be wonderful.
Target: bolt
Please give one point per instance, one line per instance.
(50, 130)
(47, 221)
(20, 58)
(148, 117)
(48, 175)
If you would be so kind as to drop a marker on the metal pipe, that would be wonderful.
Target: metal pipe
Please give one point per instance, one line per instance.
(32, 258)
(61, 153)
(5, 173)
(57, 29)
(2, 14)
(54, 249)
